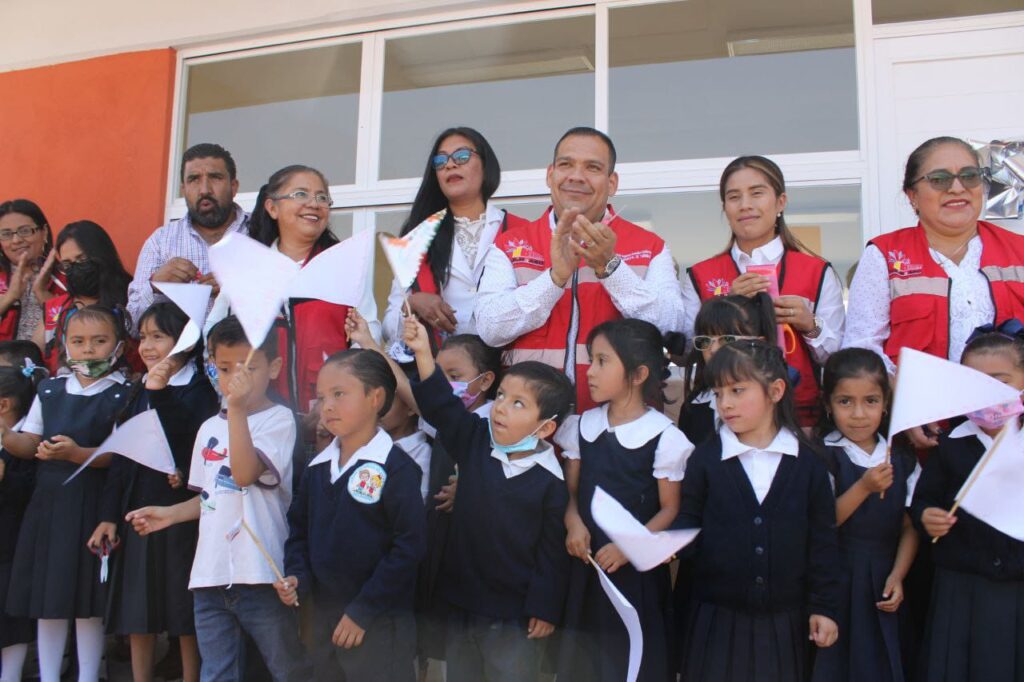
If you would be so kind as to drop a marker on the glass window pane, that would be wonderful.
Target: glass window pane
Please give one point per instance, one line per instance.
(713, 79)
(521, 85)
(341, 224)
(891, 11)
(273, 110)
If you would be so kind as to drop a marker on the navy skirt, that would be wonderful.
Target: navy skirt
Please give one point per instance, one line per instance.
(13, 630)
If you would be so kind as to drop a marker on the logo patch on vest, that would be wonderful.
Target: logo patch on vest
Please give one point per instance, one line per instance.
(717, 287)
(366, 483)
(520, 252)
(900, 265)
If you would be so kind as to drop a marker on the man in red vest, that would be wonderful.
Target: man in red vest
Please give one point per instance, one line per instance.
(546, 284)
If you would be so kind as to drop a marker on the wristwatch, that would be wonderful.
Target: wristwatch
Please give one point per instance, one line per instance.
(609, 267)
(816, 332)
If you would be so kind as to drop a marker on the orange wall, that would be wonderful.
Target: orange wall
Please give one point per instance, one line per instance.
(89, 140)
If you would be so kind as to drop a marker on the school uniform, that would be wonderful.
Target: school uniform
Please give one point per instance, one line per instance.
(868, 648)
(15, 492)
(54, 575)
(626, 461)
(975, 628)
(506, 561)
(356, 535)
(697, 418)
(150, 573)
(765, 560)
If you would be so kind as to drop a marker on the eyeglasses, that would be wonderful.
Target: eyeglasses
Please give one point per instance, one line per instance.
(942, 180)
(25, 231)
(303, 197)
(703, 343)
(460, 156)
(65, 265)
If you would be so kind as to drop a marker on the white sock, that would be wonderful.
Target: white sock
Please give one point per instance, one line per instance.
(90, 639)
(13, 660)
(53, 635)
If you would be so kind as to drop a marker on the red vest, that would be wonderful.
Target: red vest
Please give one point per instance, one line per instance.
(919, 287)
(800, 274)
(528, 247)
(426, 283)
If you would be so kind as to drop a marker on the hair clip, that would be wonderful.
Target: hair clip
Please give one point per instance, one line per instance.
(1011, 328)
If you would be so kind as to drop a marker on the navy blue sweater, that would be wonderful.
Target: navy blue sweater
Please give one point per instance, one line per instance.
(358, 559)
(780, 555)
(506, 556)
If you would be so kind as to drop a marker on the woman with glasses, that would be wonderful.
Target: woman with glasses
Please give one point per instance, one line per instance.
(462, 175)
(292, 214)
(90, 265)
(927, 287)
(763, 255)
(26, 268)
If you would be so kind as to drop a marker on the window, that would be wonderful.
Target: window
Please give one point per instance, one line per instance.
(277, 109)
(520, 84)
(892, 11)
(703, 79)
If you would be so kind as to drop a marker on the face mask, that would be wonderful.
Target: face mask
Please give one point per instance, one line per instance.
(461, 391)
(83, 278)
(993, 418)
(93, 369)
(525, 445)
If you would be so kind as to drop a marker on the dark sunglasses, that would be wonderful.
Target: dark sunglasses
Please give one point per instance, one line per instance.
(703, 343)
(460, 156)
(942, 180)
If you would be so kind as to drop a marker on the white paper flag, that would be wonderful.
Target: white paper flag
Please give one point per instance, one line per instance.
(630, 619)
(255, 278)
(405, 253)
(992, 492)
(140, 439)
(340, 274)
(644, 549)
(194, 300)
(929, 388)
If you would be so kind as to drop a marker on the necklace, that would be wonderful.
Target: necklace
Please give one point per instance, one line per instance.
(960, 248)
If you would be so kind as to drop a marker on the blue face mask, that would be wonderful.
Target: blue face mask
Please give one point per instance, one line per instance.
(525, 445)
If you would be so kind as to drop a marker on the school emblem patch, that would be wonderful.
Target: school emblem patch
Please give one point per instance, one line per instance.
(366, 483)
(900, 265)
(717, 287)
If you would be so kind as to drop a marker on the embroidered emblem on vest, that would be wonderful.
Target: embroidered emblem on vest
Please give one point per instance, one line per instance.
(717, 287)
(900, 265)
(521, 252)
(366, 482)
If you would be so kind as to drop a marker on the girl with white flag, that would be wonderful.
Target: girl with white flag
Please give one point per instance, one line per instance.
(149, 575)
(975, 629)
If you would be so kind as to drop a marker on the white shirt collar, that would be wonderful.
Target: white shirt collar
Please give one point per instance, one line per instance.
(630, 435)
(544, 457)
(969, 428)
(74, 387)
(181, 378)
(769, 254)
(857, 454)
(414, 439)
(377, 450)
(706, 398)
(784, 443)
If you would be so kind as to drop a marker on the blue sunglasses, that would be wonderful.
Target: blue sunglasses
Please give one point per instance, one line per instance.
(460, 156)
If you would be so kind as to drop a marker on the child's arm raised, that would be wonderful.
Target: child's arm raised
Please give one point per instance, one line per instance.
(875, 480)
(152, 519)
(358, 331)
(892, 593)
(415, 337)
(246, 465)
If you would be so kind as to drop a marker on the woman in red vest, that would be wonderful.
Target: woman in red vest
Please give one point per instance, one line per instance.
(928, 286)
(26, 268)
(292, 215)
(462, 175)
(810, 300)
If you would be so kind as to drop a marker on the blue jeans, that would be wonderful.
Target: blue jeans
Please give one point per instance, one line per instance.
(223, 614)
(483, 649)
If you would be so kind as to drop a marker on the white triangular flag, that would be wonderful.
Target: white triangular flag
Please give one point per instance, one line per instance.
(194, 301)
(405, 253)
(255, 278)
(992, 493)
(338, 275)
(140, 439)
(644, 549)
(630, 618)
(930, 388)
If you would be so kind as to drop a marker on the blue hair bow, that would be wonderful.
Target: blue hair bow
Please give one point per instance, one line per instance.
(1011, 328)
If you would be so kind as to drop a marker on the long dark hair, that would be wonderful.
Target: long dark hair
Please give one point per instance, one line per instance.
(32, 210)
(924, 150)
(773, 174)
(638, 344)
(97, 246)
(430, 199)
(171, 320)
(264, 229)
(852, 363)
(372, 370)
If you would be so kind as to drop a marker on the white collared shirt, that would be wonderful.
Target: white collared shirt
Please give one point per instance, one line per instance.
(670, 456)
(759, 465)
(545, 457)
(870, 460)
(483, 411)
(830, 309)
(34, 421)
(377, 450)
(968, 429)
(460, 291)
(181, 378)
(419, 449)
